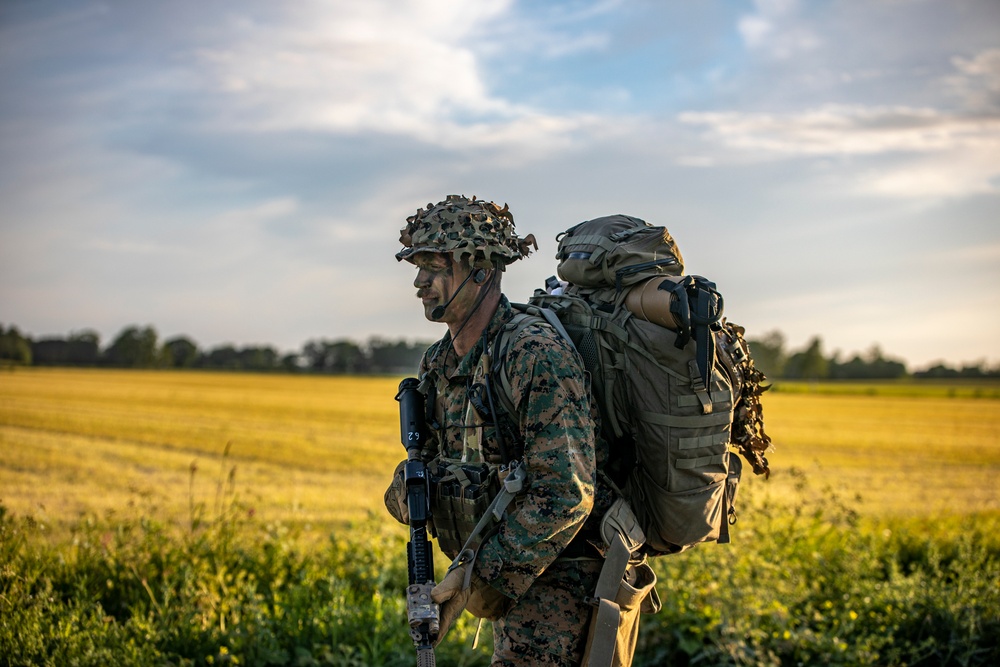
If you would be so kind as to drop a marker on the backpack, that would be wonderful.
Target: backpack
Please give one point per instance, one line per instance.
(672, 401)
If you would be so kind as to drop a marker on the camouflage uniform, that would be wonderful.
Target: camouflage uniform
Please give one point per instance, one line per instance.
(548, 622)
(540, 556)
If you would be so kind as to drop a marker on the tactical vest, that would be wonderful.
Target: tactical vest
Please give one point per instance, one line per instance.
(463, 488)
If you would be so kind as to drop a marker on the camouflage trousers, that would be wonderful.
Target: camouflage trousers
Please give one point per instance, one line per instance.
(548, 625)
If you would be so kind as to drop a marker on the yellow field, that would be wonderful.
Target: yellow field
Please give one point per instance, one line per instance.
(309, 449)
(913, 455)
(319, 450)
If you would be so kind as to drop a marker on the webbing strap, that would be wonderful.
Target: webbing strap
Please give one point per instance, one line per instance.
(602, 242)
(713, 440)
(549, 316)
(680, 421)
(459, 474)
(605, 634)
(595, 322)
(690, 400)
(604, 324)
(700, 462)
(511, 487)
(509, 332)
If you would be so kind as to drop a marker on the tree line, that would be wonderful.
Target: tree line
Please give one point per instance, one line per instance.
(139, 347)
(811, 363)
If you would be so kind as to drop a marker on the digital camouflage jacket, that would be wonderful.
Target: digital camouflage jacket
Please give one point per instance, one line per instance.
(556, 423)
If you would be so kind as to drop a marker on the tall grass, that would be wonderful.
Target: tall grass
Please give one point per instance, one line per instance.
(805, 582)
(808, 581)
(226, 589)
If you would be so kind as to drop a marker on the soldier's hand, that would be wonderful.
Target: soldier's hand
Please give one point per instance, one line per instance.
(452, 594)
(395, 496)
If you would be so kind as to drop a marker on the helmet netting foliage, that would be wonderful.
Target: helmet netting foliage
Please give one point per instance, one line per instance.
(476, 231)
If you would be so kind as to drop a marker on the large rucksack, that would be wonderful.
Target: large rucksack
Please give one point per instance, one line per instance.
(673, 402)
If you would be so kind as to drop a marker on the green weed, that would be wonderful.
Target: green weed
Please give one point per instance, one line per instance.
(804, 582)
(807, 582)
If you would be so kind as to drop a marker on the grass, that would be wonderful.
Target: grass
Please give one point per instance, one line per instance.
(176, 518)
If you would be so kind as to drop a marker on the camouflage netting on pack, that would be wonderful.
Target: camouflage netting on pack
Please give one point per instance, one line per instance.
(748, 421)
(474, 230)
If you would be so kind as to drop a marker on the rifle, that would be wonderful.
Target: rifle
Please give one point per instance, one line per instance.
(422, 613)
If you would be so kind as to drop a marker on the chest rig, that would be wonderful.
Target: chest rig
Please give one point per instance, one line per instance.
(475, 447)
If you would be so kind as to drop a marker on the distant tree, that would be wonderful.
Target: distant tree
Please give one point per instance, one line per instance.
(180, 352)
(133, 348)
(85, 347)
(977, 370)
(394, 356)
(810, 364)
(223, 356)
(338, 356)
(768, 353)
(81, 348)
(941, 371)
(937, 372)
(88, 336)
(874, 365)
(258, 358)
(290, 362)
(228, 357)
(14, 348)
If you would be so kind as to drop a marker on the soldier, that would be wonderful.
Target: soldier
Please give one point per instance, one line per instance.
(529, 575)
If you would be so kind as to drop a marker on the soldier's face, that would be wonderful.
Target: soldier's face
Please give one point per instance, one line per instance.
(438, 278)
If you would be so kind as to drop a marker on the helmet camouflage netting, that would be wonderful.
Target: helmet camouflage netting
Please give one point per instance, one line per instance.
(472, 229)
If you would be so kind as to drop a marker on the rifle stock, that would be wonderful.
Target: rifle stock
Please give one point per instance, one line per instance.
(423, 614)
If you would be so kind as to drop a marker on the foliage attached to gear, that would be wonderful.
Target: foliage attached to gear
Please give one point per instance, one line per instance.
(474, 230)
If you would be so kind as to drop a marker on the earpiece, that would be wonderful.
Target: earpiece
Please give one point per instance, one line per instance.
(479, 276)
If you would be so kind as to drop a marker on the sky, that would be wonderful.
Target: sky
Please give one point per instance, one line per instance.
(238, 172)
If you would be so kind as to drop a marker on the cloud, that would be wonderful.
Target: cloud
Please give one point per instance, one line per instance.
(774, 29)
(846, 130)
(977, 80)
(403, 69)
(945, 153)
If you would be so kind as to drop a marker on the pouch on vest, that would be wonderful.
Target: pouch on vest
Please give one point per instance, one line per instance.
(460, 495)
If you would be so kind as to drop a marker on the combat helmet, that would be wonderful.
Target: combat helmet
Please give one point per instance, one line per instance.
(473, 230)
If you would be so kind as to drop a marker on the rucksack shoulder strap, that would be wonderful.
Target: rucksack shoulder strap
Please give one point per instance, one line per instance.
(501, 344)
(549, 316)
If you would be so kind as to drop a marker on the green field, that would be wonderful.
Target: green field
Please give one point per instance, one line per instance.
(189, 518)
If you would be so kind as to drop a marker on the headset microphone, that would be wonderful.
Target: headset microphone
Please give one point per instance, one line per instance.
(477, 276)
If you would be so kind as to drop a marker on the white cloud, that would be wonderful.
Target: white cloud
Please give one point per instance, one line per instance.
(405, 69)
(947, 154)
(776, 29)
(845, 130)
(964, 171)
(977, 80)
